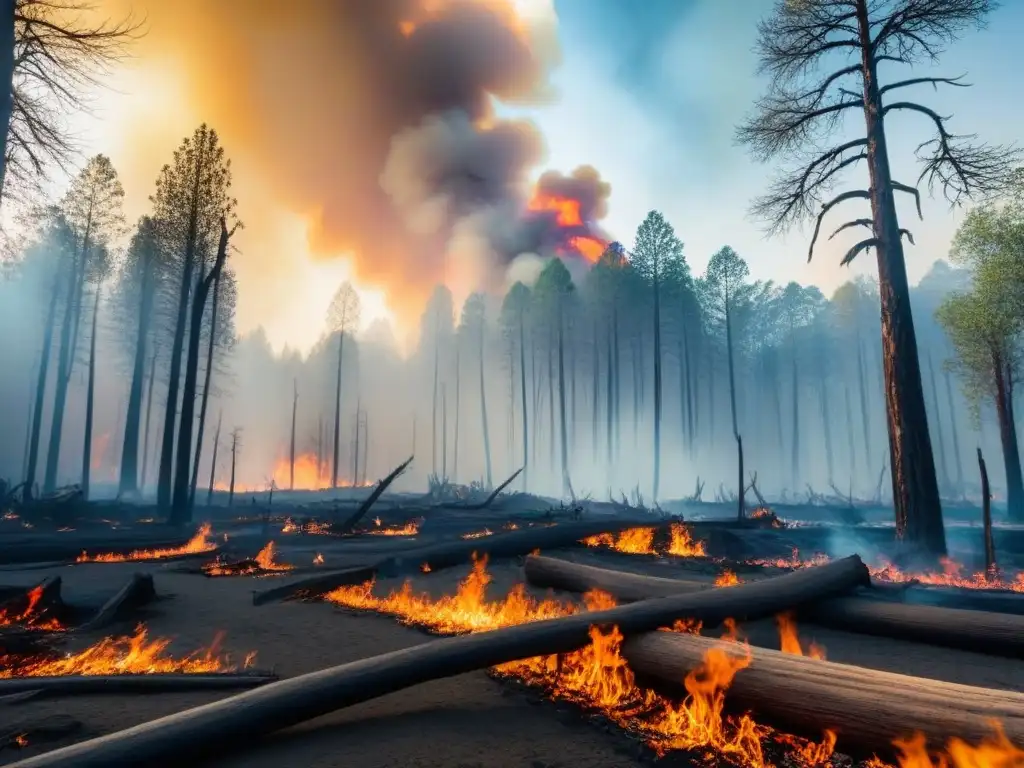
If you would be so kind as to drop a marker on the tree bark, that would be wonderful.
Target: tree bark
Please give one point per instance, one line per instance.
(149, 413)
(1008, 438)
(337, 412)
(657, 393)
(7, 46)
(912, 464)
(185, 736)
(90, 401)
(213, 460)
(129, 477)
(483, 413)
(809, 696)
(956, 437)
(211, 345)
(40, 396)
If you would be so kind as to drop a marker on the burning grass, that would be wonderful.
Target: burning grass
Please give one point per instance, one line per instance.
(33, 616)
(137, 654)
(641, 541)
(310, 526)
(410, 528)
(598, 678)
(952, 575)
(198, 544)
(264, 563)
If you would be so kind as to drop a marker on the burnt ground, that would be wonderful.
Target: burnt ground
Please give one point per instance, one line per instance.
(470, 720)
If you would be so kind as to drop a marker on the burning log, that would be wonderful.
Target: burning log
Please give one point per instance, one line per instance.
(241, 719)
(160, 682)
(199, 544)
(350, 523)
(857, 704)
(262, 564)
(139, 591)
(979, 631)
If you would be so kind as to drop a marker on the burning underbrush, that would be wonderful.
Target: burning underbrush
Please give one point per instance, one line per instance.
(953, 575)
(642, 541)
(198, 544)
(314, 527)
(137, 654)
(263, 564)
(599, 679)
(410, 528)
(33, 614)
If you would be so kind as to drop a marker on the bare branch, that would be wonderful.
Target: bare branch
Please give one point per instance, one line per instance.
(910, 191)
(907, 234)
(954, 81)
(850, 224)
(852, 194)
(922, 28)
(863, 245)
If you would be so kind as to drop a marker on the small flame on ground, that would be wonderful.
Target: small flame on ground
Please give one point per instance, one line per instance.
(410, 528)
(681, 544)
(264, 562)
(790, 639)
(318, 559)
(793, 561)
(197, 544)
(311, 526)
(952, 576)
(727, 579)
(32, 617)
(640, 541)
(477, 534)
(123, 655)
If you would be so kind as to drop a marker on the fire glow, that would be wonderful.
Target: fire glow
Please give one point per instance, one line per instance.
(410, 528)
(264, 562)
(640, 541)
(33, 617)
(124, 655)
(196, 545)
(598, 678)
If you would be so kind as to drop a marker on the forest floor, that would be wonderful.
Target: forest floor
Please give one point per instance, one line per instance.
(468, 721)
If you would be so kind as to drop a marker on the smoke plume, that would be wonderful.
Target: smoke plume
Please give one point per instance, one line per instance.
(374, 120)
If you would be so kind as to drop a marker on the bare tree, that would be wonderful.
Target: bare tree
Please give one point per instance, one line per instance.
(806, 100)
(51, 55)
(343, 319)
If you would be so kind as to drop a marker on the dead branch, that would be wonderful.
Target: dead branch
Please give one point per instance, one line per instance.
(991, 568)
(851, 194)
(350, 523)
(242, 719)
(494, 494)
(138, 592)
(757, 494)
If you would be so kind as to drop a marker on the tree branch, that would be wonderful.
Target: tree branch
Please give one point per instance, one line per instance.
(852, 194)
(855, 223)
(954, 81)
(863, 245)
(910, 191)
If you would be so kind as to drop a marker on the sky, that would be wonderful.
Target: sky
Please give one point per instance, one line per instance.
(648, 93)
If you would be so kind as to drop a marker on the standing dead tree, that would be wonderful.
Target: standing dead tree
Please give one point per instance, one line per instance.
(806, 101)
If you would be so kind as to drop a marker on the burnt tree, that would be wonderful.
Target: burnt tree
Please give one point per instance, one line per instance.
(806, 101)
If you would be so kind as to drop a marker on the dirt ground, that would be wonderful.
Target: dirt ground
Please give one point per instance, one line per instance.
(463, 722)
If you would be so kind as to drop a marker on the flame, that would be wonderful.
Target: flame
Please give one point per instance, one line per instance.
(311, 526)
(598, 677)
(727, 579)
(410, 528)
(197, 544)
(30, 617)
(952, 576)
(793, 561)
(588, 247)
(263, 562)
(477, 534)
(511, 526)
(308, 476)
(681, 544)
(98, 449)
(764, 513)
(407, 28)
(567, 209)
(318, 559)
(125, 655)
(790, 640)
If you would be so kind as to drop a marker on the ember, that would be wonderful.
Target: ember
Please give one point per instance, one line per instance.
(793, 561)
(952, 576)
(318, 559)
(33, 616)
(125, 655)
(263, 563)
(411, 528)
(477, 534)
(310, 526)
(196, 545)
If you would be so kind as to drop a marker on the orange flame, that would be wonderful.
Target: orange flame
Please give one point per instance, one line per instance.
(477, 534)
(264, 562)
(567, 209)
(308, 476)
(681, 544)
(727, 579)
(790, 640)
(318, 559)
(196, 545)
(117, 656)
(640, 541)
(410, 528)
(30, 617)
(952, 576)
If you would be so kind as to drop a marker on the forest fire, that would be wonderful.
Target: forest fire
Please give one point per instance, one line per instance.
(33, 616)
(952, 576)
(574, 232)
(598, 678)
(640, 541)
(265, 562)
(196, 545)
(793, 561)
(727, 579)
(790, 640)
(310, 474)
(136, 654)
(411, 528)
(309, 526)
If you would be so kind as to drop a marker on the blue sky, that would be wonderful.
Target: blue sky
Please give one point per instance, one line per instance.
(650, 92)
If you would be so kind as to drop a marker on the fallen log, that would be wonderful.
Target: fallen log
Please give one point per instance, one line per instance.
(63, 550)
(139, 591)
(868, 613)
(18, 698)
(239, 720)
(316, 586)
(866, 708)
(157, 682)
(359, 514)
(445, 554)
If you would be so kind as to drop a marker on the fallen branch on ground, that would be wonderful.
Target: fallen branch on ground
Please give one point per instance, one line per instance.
(980, 631)
(860, 705)
(359, 514)
(239, 720)
(490, 499)
(66, 685)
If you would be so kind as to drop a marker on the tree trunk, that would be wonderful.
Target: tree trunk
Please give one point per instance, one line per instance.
(826, 418)
(1008, 439)
(595, 404)
(40, 396)
(213, 460)
(433, 410)
(865, 419)
(444, 430)
(355, 448)
(522, 387)
(617, 379)
(7, 45)
(914, 485)
(610, 400)
(657, 393)
(938, 426)
(234, 457)
(566, 481)
(149, 412)
(291, 448)
(90, 401)
(483, 413)
(795, 458)
(181, 511)
(849, 438)
(956, 437)
(458, 410)
(337, 410)
(211, 346)
(129, 477)
(636, 347)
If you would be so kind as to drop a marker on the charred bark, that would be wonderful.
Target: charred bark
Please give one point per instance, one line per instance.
(90, 401)
(1008, 437)
(210, 346)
